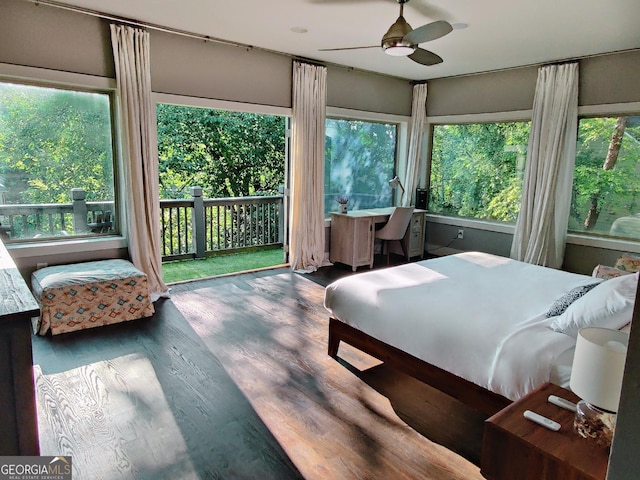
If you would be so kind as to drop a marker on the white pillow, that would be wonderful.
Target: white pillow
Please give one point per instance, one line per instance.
(608, 305)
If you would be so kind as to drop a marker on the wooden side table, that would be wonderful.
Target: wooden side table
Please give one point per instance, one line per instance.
(515, 448)
(18, 416)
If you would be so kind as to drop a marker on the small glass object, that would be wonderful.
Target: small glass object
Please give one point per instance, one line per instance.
(594, 424)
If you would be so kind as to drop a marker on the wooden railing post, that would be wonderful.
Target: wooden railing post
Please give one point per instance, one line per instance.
(78, 196)
(197, 226)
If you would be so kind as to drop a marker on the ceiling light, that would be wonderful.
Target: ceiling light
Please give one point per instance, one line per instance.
(399, 50)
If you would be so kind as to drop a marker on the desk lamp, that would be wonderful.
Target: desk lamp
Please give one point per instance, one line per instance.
(596, 377)
(395, 183)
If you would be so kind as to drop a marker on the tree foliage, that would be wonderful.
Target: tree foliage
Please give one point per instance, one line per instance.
(476, 169)
(613, 191)
(359, 162)
(53, 140)
(228, 154)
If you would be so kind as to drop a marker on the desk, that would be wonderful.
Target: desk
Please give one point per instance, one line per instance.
(353, 235)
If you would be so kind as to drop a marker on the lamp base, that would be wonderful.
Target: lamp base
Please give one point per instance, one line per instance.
(594, 424)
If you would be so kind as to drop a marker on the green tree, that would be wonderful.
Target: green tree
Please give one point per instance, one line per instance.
(228, 154)
(53, 140)
(359, 161)
(476, 169)
(607, 173)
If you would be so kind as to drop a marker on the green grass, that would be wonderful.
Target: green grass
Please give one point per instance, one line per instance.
(219, 265)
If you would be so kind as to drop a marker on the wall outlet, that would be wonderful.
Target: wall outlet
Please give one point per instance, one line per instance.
(461, 234)
(41, 265)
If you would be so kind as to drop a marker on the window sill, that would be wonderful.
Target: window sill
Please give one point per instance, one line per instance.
(471, 223)
(36, 249)
(630, 246)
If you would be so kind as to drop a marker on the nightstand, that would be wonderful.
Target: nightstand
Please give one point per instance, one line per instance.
(514, 448)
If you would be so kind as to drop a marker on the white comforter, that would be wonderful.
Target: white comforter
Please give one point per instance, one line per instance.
(479, 316)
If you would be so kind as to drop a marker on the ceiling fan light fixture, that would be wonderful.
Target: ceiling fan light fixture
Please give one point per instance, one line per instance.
(393, 42)
(399, 50)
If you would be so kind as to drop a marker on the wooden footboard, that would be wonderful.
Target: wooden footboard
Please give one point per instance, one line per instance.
(467, 392)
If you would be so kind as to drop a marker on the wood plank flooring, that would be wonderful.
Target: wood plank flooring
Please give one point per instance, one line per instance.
(230, 379)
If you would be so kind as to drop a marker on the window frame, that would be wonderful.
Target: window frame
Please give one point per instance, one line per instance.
(83, 83)
(631, 108)
(606, 110)
(402, 133)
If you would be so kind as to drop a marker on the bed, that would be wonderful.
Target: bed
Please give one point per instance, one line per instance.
(485, 329)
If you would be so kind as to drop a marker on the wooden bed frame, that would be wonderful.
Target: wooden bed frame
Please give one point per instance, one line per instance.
(467, 392)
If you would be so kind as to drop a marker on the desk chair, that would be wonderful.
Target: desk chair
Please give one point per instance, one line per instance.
(395, 228)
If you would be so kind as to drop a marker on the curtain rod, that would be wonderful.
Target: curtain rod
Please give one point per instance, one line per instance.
(206, 38)
(161, 28)
(139, 23)
(559, 61)
(197, 36)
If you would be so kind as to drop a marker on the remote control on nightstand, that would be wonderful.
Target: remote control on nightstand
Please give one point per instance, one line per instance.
(561, 402)
(544, 421)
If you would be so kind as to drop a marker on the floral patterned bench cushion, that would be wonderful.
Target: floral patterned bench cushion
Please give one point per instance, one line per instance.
(606, 272)
(91, 294)
(624, 265)
(628, 263)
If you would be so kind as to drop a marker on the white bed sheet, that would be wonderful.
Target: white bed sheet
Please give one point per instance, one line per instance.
(479, 316)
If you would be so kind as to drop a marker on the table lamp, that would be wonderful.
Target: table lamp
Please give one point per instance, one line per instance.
(395, 183)
(596, 377)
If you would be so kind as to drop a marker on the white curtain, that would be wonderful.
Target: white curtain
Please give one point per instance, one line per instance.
(140, 151)
(541, 228)
(414, 155)
(307, 167)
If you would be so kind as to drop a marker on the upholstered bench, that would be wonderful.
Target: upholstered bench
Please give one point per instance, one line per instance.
(91, 294)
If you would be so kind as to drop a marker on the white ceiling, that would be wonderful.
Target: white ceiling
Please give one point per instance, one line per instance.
(500, 33)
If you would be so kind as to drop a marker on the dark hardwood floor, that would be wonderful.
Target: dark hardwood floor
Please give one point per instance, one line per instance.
(230, 379)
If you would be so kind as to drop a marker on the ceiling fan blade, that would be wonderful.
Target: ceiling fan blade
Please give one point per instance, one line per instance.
(346, 48)
(428, 32)
(425, 57)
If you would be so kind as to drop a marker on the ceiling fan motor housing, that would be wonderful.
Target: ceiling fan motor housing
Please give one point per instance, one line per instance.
(393, 41)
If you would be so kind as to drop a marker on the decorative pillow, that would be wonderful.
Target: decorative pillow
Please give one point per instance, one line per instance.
(628, 263)
(562, 303)
(606, 272)
(608, 305)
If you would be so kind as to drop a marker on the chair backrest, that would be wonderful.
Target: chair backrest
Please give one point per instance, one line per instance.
(397, 225)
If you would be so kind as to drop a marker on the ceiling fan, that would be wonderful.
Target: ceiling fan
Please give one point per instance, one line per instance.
(402, 40)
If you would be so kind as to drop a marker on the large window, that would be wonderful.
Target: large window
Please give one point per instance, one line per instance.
(56, 163)
(606, 188)
(359, 162)
(477, 169)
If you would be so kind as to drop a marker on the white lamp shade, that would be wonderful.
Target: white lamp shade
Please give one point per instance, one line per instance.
(598, 366)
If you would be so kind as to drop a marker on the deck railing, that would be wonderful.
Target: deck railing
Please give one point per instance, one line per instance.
(24, 221)
(191, 228)
(198, 227)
